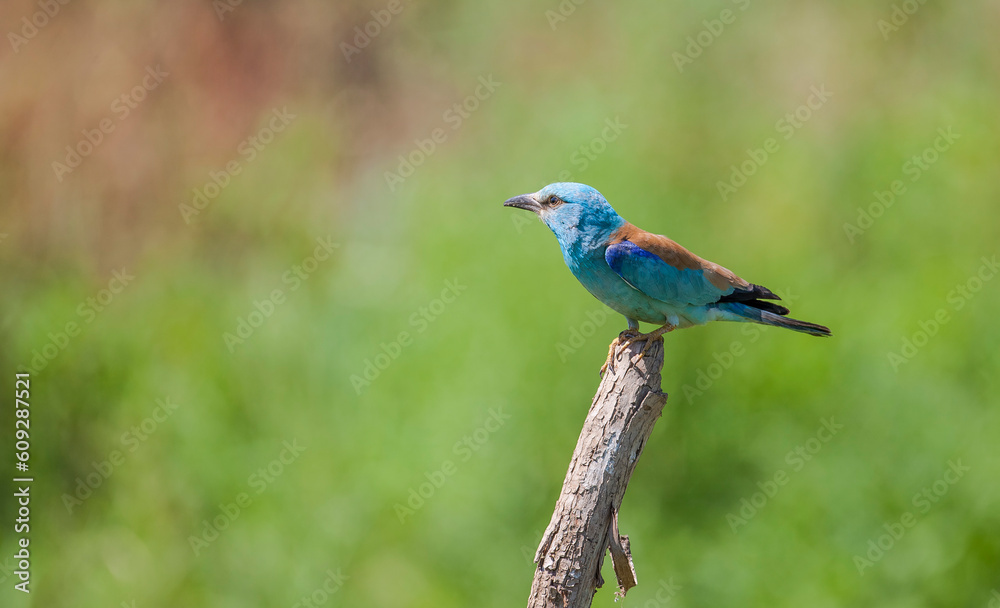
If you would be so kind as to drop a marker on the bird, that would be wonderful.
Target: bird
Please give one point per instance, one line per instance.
(647, 277)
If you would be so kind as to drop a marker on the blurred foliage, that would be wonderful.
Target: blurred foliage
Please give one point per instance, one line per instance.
(499, 343)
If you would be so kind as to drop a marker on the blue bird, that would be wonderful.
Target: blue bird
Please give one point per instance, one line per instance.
(647, 277)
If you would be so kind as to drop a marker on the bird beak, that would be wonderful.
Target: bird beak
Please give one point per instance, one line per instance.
(525, 201)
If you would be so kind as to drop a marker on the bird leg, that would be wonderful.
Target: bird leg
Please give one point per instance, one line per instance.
(625, 338)
(650, 338)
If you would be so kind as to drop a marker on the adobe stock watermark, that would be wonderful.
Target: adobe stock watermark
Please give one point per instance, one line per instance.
(129, 442)
(579, 334)
(922, 502)
(995, 599)
(562, 12)
(724, 360)
(898, 17)
(588, 152)
(453, 117)
(527, 552)
(364, 34)
(87, 310)
(787, 127)
(7, 568)
(957, 298)
(333, 582)
(222, 8)
(666, 591)
(714, 28)
(580, 159)
(121, 108)
(796, 459)
(420, 321)
(248, 149)
(35, 22)
(914, 168)
(463, 450)
(292, 279)
(257, 482)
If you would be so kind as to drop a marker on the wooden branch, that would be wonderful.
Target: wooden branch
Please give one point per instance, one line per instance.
(585, 521)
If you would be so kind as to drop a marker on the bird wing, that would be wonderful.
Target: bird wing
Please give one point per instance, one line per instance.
(663, 270)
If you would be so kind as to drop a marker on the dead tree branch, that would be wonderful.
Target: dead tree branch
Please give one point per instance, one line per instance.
(585, 521)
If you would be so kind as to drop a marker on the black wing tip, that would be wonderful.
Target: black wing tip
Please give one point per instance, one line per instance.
(751, 294)
(763, 293)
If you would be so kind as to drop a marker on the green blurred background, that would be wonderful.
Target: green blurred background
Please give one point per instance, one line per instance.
(496, 327)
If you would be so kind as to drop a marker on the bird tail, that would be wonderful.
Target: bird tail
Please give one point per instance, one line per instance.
(765, 317)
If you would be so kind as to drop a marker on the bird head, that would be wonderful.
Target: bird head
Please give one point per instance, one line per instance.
(576, 213)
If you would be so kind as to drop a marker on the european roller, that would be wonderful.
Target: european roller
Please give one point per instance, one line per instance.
(647, 277)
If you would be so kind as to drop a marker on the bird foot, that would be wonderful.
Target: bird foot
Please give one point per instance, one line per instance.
(629, 336)
(651, 338)
(624, 339)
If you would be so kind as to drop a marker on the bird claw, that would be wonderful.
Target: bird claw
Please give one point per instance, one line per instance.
(629, 336)
(624, 339)
(611, 356)
(651, 338)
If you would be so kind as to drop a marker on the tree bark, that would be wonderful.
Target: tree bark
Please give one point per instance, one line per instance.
(585, 521)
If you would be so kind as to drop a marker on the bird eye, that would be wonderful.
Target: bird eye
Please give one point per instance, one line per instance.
(554, 200)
